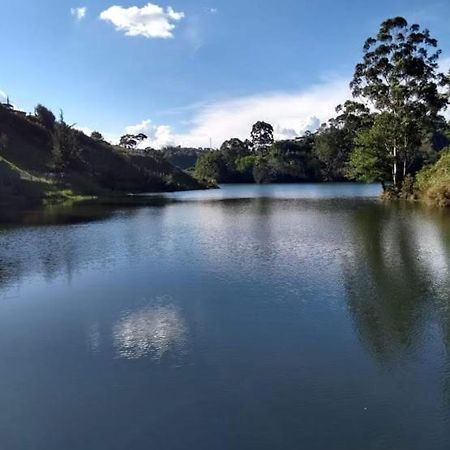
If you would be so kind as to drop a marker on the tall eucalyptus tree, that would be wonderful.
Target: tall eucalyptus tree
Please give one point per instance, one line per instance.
(399, 77)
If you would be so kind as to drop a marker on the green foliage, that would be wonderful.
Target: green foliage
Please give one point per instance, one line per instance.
(371, 159)
(408, 190)
(283, 161)
(45, 116)
(335, 141)
(97, 136)
(244, 165)
(182, 157)
(433, 182)
(235, 148)
(353, 117)
(265, 170)
(332, 147)
(432, 145)
(235, 162)
(262, 135)
(399, 76)
(399, 70)
(295, 160)
(239, 160)
(130, 141)
(211, 167)
(17, 187)
(65, 145)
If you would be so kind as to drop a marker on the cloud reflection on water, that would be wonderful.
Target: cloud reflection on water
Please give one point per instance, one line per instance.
(151, 331)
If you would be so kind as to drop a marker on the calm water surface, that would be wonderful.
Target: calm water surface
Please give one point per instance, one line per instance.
(254, 317)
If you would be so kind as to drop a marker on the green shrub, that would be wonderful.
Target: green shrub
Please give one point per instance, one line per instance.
(433, 183)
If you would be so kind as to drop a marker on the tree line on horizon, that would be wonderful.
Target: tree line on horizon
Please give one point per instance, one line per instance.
(391, 129)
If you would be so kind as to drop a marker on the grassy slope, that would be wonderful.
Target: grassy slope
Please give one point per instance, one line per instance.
(433, 183)
(17, 187)
(26, 167)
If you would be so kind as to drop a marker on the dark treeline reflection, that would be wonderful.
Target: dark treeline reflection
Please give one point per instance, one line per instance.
(397, 278)
(60, 239)
(396, 265)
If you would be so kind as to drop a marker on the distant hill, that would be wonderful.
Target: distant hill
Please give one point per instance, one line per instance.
(183, 157)
(33, 170)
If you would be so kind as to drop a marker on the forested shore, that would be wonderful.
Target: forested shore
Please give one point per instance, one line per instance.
(392, 131)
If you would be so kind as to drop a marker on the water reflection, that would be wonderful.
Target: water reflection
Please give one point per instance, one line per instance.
(153, 331)
(291, 305)
(94, 337)
(396, 280)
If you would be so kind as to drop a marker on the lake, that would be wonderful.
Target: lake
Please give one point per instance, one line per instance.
(307, 316)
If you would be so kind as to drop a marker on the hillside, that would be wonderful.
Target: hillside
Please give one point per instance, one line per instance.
(33, 171)
(433, 183)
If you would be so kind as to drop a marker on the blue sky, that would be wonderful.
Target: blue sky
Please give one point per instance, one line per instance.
(187, 71)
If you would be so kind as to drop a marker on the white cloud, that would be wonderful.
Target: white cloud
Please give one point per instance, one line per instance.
(79, 13)
(150, 21)
(3, 96)
(112, 138)
(86, 130)
(213, 10)
(142, 127)
(162, 136)
(291, 114)
(158, 135)
(311, 123)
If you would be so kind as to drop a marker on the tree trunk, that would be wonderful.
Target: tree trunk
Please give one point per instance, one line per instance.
(395, 166)
(405, 159)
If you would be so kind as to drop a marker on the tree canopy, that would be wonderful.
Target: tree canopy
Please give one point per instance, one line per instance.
(131, 141)
(399, 78)
(262, 135)
(45, 116)
(97, 136)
